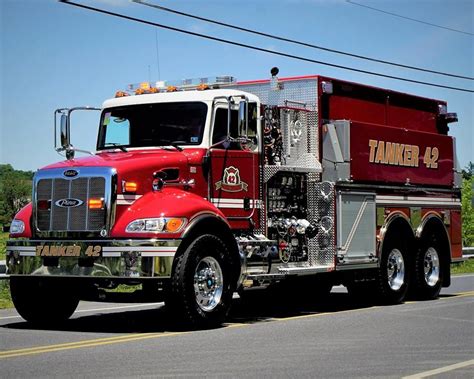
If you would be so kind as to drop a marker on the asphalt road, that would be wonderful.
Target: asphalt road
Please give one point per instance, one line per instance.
(337, 338)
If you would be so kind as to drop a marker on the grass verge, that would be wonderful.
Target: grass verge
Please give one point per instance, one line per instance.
(5, 298)
(3, 241)
(122, 288)
(466, 267)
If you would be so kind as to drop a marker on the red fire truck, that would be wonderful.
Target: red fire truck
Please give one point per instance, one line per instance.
(203, 188)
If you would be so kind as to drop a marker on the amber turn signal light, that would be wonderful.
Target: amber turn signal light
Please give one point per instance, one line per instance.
(173, 225)
(95, 203)
(130, 186)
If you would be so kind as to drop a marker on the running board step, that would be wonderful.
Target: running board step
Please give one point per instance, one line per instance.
(304, 270)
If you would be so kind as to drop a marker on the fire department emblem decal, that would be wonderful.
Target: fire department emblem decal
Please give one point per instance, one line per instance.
(231, 181)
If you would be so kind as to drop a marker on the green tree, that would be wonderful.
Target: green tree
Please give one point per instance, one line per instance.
(15, 191)
(467, 205)
(468, 171)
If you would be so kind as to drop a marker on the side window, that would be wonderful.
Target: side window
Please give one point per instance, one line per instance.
(118, 131)
(220, 125)
(219, 132)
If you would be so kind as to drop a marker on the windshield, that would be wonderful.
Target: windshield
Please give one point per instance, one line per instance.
(152, 125)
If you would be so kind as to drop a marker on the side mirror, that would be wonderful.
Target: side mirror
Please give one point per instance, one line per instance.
(243, 119)
(64, 131)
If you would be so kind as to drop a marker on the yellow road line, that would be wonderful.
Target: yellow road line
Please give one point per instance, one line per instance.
(77, 342)
(84, 344)
(235, 325)
(143, 336)
(321, 314)
(450, 297)
(462, 294)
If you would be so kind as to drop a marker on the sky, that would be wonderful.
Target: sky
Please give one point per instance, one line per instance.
(54, 55)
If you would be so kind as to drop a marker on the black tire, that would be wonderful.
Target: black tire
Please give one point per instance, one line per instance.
(428, 273)
(393, 274)
(201, 288)
(43, 301)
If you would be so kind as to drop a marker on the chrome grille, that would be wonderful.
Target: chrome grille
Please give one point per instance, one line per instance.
(52, 188)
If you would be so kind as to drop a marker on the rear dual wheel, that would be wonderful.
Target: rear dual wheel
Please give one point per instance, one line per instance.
(389, 285)
(423, 273)
(428, 270)
(393, 276)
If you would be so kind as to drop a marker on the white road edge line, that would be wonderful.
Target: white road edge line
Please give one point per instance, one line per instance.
(98, 309)
(441, 370)
(462, 276)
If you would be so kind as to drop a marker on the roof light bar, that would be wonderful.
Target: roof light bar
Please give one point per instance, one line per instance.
(177, 85)
(185, 83)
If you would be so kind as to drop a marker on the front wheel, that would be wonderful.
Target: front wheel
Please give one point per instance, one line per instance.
(201, 288)
(43, 301)
(393, 272)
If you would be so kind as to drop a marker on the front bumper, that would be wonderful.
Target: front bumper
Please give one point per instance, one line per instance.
(92, 258)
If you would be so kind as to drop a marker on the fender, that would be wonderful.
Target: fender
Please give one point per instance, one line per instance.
(206, 223)
(169, 202)
(431, 218)
(24, 215)
(395, 217)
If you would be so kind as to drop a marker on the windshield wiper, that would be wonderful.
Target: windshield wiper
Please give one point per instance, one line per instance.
(117, 145)
(174, 144)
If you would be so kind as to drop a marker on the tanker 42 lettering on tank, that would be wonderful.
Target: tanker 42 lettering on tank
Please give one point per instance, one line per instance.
(399, 154)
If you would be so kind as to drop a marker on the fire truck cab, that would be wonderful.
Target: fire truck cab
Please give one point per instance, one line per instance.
(201, 189)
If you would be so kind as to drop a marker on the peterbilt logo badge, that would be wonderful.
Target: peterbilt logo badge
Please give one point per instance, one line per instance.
(231, 181)
(70, 173)
(68, 203)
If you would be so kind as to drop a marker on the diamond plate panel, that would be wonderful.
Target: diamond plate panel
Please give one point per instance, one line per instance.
(300, 94)
(298, 122)
(300, 139)
(321, 206)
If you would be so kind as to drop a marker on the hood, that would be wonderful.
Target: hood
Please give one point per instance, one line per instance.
(137, 159)
(136, 165)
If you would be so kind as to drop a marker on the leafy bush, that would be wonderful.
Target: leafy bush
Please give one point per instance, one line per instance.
(15, 191)
(468, 205)
(3, 241)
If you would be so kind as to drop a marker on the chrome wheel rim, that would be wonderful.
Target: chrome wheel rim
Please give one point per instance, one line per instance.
(431, 267)
(208, 283)
(395, 270)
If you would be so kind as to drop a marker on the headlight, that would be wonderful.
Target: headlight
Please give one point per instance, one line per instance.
(17, 227)
(156, 225)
